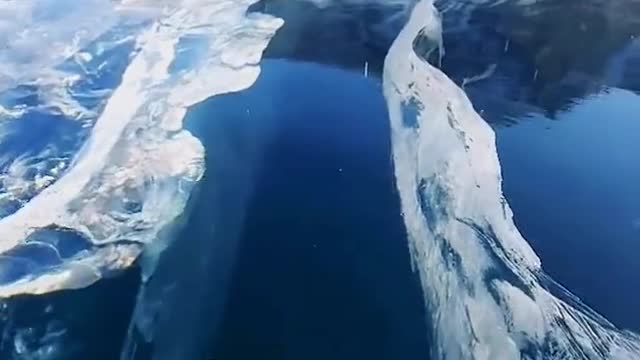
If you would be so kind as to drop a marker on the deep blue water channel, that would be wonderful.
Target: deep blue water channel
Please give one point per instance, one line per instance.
(320, 268)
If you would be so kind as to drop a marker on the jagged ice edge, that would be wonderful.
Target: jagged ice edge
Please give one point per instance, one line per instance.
(485, 289)
(137, 147)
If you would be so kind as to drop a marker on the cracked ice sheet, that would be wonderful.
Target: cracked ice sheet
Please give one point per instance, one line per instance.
(134, 173)
(485, 289)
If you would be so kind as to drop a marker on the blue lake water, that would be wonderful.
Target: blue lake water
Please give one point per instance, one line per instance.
(88, 323)
(321, 265)
(293, 246)
(574, 184)
(45, 138)
(323, 204)
(314, 262)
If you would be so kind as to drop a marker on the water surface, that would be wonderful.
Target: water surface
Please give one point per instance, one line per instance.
(299, 225)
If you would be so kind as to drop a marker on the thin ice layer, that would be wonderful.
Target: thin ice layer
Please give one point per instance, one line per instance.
(483, 284)
(135, 172)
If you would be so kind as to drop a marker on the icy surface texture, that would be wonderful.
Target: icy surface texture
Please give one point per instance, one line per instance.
(133, 171)
(484, 287)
